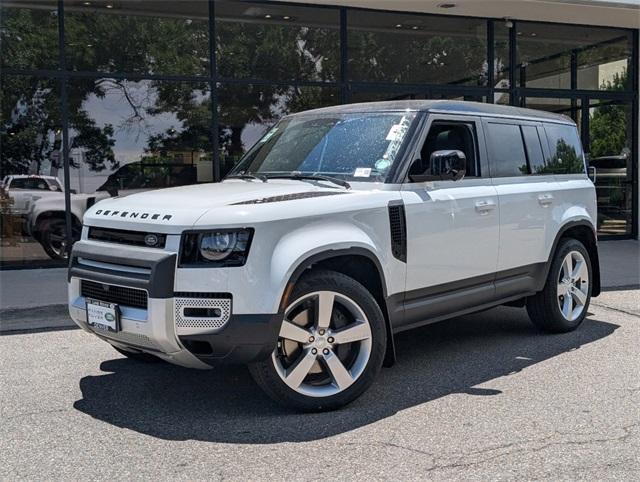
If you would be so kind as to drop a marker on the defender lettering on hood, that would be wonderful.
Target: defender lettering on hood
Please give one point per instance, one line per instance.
(133, 214)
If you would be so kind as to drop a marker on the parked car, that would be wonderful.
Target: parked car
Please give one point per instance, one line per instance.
(340, 228)
(39, 202)
(24, 189)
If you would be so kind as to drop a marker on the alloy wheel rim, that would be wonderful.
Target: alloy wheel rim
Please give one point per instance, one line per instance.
(324, 344)
(573, 285)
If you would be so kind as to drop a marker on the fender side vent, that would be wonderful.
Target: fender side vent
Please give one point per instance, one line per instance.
(398, 225)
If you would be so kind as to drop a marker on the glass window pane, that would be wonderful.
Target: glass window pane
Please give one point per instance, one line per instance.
(351, 146)
(30, 171)
(603, 56)
(130, 136)
(565, 148)
(604, 59)
(245, 112)
(501, 55)
(390, 47)
(507, 150)
(610, 137)
(29, 35)
(277, 42)
(534, 148)
(153, 37)
(544, 55)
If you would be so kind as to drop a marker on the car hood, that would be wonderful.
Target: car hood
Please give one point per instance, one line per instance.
(165, 210)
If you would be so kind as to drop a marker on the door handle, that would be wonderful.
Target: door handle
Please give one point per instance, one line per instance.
(483, 207)
(545, 199)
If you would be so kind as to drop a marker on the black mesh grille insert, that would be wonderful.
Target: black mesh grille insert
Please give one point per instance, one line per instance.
(132, 297)
(133, 238)
(398, 231)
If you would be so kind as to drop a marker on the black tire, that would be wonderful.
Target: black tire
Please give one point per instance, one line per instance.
(138, 356)
(265, 373)
(51, 233)
(543, 308)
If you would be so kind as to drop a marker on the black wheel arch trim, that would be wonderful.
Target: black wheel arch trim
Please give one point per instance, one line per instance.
(390, 356)
(592, 250)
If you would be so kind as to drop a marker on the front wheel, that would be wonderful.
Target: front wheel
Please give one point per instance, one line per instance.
(563, 303)
(330, 348)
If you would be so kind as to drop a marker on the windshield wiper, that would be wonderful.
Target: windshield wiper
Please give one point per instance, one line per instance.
(311, 177)
(247, 176)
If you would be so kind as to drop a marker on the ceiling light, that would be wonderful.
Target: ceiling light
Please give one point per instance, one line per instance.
(415, 27)
(267, 16)
(109, 5)
(399, 25)
(87, 3)
(447, 5)
(286, 17)
(533, 34)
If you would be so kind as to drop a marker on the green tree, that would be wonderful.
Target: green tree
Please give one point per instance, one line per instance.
(609, 123)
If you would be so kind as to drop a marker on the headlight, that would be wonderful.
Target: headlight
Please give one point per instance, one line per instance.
(216, 248)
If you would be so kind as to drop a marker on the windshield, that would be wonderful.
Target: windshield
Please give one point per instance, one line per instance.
(356, 147)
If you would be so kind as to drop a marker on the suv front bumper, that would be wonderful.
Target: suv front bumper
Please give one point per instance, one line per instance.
(160, 327)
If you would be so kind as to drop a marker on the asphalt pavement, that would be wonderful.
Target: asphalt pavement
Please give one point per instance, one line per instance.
(484, 396)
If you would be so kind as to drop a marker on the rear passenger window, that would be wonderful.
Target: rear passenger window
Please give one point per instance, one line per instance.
(534, 149)
(508, 157)
(566, 150)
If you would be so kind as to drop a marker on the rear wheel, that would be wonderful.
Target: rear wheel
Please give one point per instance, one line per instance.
(138, 355)
(563, 303)
(330, 347)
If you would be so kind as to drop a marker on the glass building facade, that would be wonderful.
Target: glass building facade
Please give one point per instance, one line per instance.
(101, 98)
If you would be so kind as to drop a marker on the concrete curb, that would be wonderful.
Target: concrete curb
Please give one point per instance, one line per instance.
(37, 318)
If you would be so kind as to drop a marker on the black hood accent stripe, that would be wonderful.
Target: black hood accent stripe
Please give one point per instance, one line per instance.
(289, 197)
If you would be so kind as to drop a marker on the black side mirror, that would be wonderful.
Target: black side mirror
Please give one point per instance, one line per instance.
(448, 165)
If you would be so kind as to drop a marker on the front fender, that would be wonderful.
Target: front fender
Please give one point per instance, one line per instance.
(293, 249)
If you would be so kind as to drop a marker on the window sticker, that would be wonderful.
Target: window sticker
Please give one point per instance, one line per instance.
(362, 172)
(394, 132)
(383, 164)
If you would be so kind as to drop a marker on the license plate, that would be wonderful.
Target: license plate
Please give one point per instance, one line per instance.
(103, 316)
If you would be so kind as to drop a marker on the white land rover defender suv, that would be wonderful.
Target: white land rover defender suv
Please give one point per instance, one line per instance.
(341, 227)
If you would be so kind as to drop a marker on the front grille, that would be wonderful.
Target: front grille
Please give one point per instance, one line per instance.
(120, 295)
(132, 238)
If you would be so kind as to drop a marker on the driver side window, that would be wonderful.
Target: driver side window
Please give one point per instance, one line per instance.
(446, 136)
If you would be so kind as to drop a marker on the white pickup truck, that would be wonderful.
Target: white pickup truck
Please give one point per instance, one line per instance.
(39, 200)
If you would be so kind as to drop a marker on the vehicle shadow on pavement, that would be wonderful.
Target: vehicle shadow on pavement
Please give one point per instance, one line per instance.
(224, 405)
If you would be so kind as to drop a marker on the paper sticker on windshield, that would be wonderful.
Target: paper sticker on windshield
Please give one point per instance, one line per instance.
(362, 172)
(269, 135)
(395, 132)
